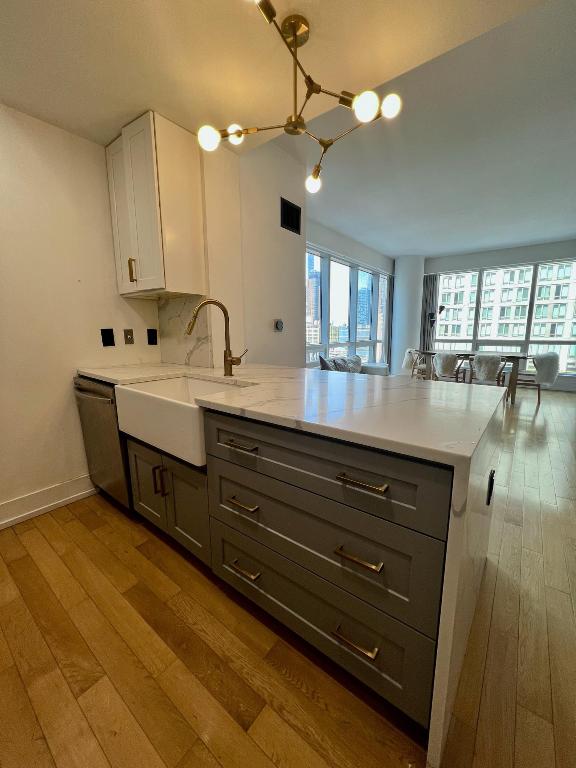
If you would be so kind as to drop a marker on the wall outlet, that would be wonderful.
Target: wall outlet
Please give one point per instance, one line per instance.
(107, 335)
(128, 336)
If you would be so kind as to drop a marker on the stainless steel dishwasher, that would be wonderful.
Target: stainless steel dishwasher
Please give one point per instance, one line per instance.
(105, 450)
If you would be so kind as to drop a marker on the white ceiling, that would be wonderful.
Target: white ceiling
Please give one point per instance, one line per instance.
(482, 157)
(91, 66)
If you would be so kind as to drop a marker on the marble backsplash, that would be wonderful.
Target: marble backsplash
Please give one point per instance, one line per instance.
(175, 346)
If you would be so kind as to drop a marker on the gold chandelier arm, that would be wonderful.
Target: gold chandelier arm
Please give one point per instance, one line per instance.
(354, 128)
(263, 128)
(287, 44)
(312, 136)
(306, 100)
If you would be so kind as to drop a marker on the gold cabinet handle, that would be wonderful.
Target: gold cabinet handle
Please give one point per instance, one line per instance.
(235, 503)
(247, 575)
(346, 480)
(163, 491)
(155, 471)
(337, 633)
(236, 446)
(131, 275)
(373, 567)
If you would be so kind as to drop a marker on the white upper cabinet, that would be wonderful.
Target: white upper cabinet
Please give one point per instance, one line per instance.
(156, 200)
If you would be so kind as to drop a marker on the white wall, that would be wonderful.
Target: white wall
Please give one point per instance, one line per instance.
(57, 289)
(338, 244)
(408, 279)
(224, 248)
(526, 254)
(272, 257)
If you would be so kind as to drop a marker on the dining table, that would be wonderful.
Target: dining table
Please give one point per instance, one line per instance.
(514, 358)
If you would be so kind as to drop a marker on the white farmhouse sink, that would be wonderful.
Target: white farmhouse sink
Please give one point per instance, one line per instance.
(165, 414)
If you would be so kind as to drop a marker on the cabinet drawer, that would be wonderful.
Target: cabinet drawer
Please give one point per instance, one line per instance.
(397, 570)
(404, 491)
(394, 660)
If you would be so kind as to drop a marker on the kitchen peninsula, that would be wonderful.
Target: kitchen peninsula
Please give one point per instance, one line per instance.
(354, 508)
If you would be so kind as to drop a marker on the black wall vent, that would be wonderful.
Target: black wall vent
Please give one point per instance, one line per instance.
(290, 216)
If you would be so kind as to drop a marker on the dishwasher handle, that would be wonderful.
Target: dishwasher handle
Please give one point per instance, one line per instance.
(87, 396)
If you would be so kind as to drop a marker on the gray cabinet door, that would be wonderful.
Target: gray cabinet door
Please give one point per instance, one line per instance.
(145, 477)
(187, 507)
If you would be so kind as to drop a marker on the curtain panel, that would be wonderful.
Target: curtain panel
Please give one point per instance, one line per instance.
(429, 311)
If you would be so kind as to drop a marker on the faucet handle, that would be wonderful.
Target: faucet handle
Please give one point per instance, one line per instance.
(237, 360)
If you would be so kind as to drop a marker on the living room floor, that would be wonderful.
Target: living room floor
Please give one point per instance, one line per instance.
(117, 649)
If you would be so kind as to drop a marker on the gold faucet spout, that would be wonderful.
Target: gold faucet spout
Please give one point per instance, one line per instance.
(229, 359)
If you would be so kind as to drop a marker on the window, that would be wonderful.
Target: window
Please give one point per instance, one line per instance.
(458, 297)
(339, 302)
(460, 308)
(445, 298)
(487, 296)
(459, 283)
(447, 281)
(561, 291)
(543, 292)
(346, 310)
(541, 311)
(364, 306)
(516, 312)
(489, 278)
(313, 308)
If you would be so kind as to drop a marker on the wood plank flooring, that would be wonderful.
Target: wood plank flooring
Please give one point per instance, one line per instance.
(117, 649)
(516, 703)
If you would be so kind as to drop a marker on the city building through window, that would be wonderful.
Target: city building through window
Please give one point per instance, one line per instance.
(529, 309)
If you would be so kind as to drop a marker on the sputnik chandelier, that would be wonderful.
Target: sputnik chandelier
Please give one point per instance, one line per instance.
(366, 106)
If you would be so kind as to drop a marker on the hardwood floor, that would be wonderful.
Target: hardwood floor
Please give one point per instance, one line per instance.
(116, 649)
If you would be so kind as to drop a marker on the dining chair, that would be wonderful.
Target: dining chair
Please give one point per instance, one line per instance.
(446, 365)
(486, 368)
(415, 363)
(547, 367)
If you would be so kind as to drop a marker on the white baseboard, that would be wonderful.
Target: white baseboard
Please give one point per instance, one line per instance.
(36, 503)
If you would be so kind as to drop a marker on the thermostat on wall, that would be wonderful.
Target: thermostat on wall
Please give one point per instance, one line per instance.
(278, 325)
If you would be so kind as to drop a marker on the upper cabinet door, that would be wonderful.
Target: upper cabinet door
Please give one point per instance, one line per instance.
(125, 269)
(143, 203)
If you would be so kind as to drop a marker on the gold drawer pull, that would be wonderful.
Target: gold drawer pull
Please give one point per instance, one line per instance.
(374, 567)
(234, 501)
(236, 446)
(247, 575)
(131, 276)
(337, 633)
(343, 477)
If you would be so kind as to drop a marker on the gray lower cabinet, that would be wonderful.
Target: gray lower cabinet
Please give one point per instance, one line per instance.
(390, 657)
(145, 471)
(395, 569)
(172, 495)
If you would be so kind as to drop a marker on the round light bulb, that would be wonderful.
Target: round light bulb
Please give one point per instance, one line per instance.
(366, 106)
(233, 137)
(391, 106)
(208, 138)
(313, 184)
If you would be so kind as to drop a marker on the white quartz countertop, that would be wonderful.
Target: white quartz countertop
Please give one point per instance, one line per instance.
(437, 421)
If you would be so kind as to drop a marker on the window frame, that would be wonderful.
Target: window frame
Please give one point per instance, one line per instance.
(326, 347)
(549, 281)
